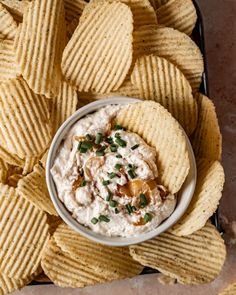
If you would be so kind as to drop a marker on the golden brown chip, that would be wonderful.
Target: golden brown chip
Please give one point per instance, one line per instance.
(8, 26)
(99, 60)
(73, 9)
(66, 271)
(3, 171)
(39, 52)
(16, 8)
(24, 119)
(63, 105)
(207, 139)
(29, 164)
(71, 27)
(23, 234)
(8, 66)
(158, 3)
(173, 45)
(53, 222)
(178, 14)
(195, 259)
(159, 129)
(161, 81)
(43, 160)
(113, 262)
(10, 158)
(13, 179)
(210, 182)
(33, 187)
(230, 290)
(166, 280)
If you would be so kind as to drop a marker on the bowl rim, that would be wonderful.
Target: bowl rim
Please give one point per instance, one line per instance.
(181, 206)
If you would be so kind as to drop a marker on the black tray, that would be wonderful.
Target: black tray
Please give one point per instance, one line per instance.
(198, 37)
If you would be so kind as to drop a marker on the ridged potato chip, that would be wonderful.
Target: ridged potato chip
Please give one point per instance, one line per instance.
(53, 222)
(13, 179)
(23, 234)
(65, 271)
(33, 187)
(74, 9)
(207, 139)
(112, 262)
(39, 52)
(178, 14)
(209, 186)
(159, 129)
(3, 171)
(99, 60)
(158, 3)
(166, 280)
(8, 26)
(24, 119)
(230, 290)
(9, 68)
(173, 45)
(10, 158)
(195, 259)
(71, 27)
(29, 164)
(63, 105)
(161, 81)
(16, 8)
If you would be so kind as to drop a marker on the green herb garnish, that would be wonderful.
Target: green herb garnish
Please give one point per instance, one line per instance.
(118, 166)
(83, 183)
(121, 142)
(113, 203)
(117, 135)
(89, 137)
(94, 220)
(111, 175)
(103, 218)
(116, 211)
(113, 148)
(106, 182)
(99, 138)
(86, 145)
(108, 197)
(109, 140)
(143, 200)
(101, 152)
(129, 208)
(135, 147)
(118, 156)
(131, 173)
(118, 127)
(147, 217)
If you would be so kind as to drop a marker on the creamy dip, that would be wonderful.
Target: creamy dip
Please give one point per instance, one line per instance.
(107, 177)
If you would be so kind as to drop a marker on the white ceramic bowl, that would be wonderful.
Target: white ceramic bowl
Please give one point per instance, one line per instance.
(184, 196)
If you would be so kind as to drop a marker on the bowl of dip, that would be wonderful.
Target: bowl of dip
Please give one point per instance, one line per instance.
(102, 178)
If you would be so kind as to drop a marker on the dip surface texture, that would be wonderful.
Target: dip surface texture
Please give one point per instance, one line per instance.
(107, 177)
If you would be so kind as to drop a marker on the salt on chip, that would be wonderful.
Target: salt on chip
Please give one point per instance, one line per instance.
(16, 8)
(63, 105)
(8, 26)
(39, 52)
(207, 139)
(66, 271)
(161, 81)
(173, 45)
(230, 290)
(178, 14)
(24, 119)
(113, 262)
(159, 129)
(74, 9)
(195, 259)
(33, 187)
(99, 54)
(23, 234)
(209, 186)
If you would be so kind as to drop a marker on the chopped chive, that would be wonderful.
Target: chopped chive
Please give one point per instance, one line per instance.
(79, 145)
(109, 140)
(118, 156)
(134, 208)
(106, 182)
(89, 137)
(113, 203)
(83, 150)
(116, 211)
(135, 147)
(108, 197)
(103, 218)
(147, 217)
(143, 200)
(130, 166)
(99, 138)
(113, 148)
(111, 175)
(117, 135)
(81, 172)
(129, 208)
(121, 142)
(118, 127)
(83, 183)
(132, 174)
(86, 145)
(101, 152)
(94, 220)
(118, 166)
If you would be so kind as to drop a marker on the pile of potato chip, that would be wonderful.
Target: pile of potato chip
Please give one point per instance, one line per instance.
(56, 56)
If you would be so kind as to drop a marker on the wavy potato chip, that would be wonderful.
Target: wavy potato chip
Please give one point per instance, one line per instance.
(29, 164)
(195, 259)
(23, 234)
(53, 222)
(209, 186)
(112, 262)
(173, 45)
(207, 140)
(3, 171)
(71, 27)
(159, 129)
(230, 290)
(74, 9)
(33, 187)
(161, 81)
(13, 180)
(158, 3)
(178, 14)
(99, 54)
(10, 158)
(39, 52)
(24, 119)
(16, 8)
(8, 26)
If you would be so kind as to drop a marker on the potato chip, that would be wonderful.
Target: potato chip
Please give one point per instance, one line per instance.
(110, 37)
(39, 52)
(65, 271)
(161, 81)
(71, 27)
(33, 187)
(10, 158)
(158, 3)
(74, 9)
(23, 234)
(159, 129)
(53, 222)
(8, 66)
(8, 26)
(210, 182)
(166, 280)
(63, 105)
(230, 290)
(3, 171)
(13, 179)
(16, 8)
(178, 14)
(24, 119)
(29, 164)
(173, 45)
(195, 259)
(207, 139)
(43, 160)
(113, 262)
